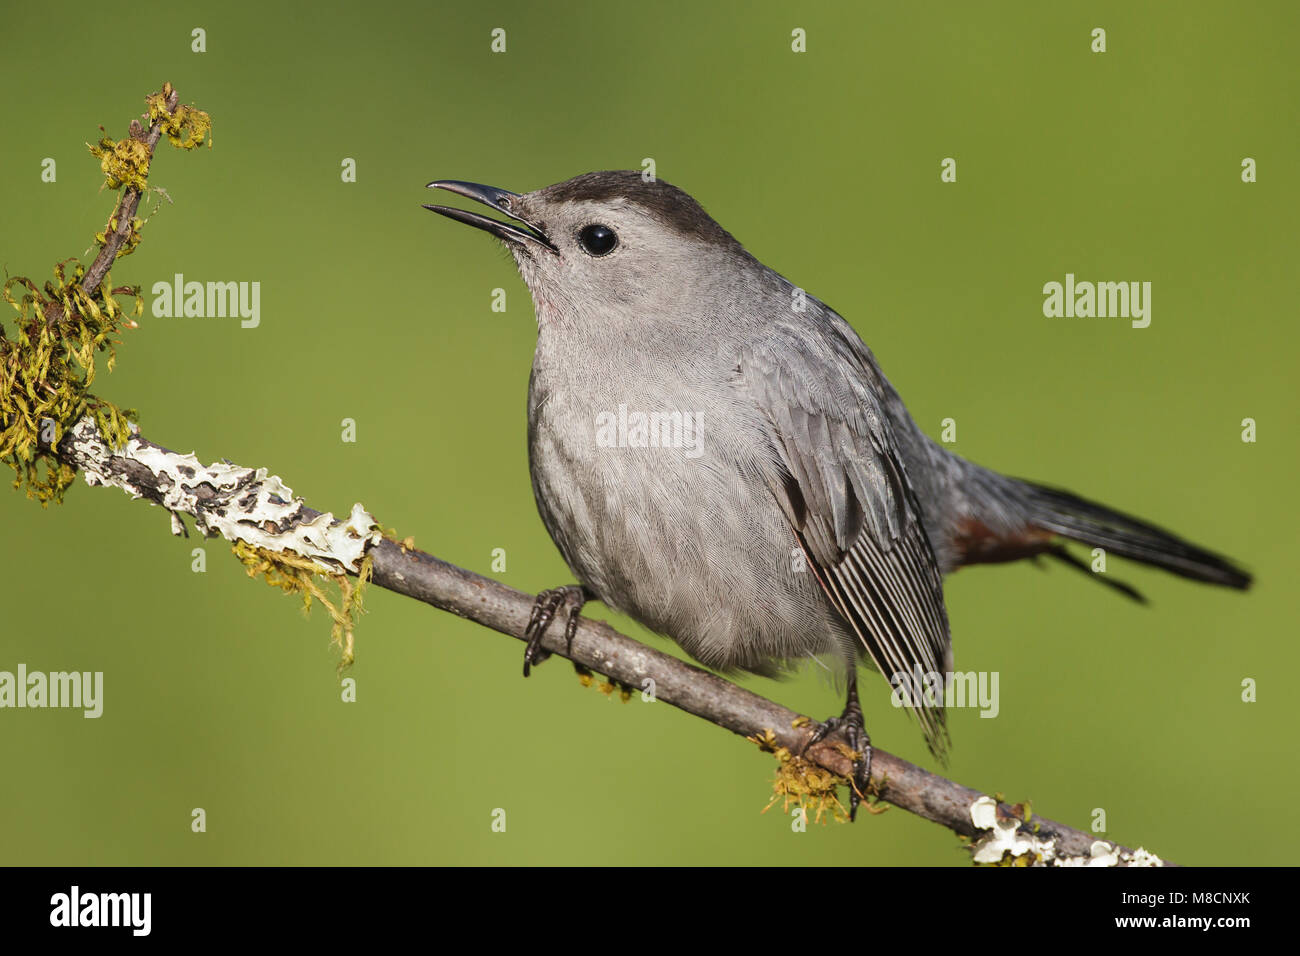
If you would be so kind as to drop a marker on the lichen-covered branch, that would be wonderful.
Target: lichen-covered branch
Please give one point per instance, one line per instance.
(238, 504)
(273, 532)
(249, 505)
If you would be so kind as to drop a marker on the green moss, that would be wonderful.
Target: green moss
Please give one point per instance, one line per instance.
(124, 162)
(186, 128)
(295, 574)
(47, 368)
(803, 783)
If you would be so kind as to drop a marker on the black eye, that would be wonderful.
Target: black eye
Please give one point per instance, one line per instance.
(597, 239)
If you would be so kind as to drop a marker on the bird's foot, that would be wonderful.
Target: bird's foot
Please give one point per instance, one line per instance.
(851, 725)
(571, 597)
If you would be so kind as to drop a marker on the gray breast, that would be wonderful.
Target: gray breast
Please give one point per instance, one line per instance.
(669, 519)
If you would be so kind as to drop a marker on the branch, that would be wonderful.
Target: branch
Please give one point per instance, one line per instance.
(243, 504)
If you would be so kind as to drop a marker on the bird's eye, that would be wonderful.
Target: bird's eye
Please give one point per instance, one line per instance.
(597, 239)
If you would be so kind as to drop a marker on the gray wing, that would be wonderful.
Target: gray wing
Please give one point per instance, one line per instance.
(846, 495)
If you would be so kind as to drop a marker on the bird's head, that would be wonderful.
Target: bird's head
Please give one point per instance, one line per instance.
(604, 245)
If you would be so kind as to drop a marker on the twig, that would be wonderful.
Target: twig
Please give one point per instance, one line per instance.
(127, 205)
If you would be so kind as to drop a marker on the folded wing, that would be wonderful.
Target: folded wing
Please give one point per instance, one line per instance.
(844, 490)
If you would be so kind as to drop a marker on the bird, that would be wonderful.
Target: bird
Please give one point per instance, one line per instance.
(718, 455)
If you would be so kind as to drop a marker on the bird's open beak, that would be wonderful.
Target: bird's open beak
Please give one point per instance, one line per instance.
(498, 199)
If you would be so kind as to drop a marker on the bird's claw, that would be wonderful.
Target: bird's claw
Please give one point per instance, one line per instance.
(571, 597)
(851, 725)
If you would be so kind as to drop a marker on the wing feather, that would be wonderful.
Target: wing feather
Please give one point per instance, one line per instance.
(844, 489)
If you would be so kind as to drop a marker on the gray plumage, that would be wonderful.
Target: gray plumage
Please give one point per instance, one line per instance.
(817, 519)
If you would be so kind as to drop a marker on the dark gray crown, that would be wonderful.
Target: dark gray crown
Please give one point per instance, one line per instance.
(666, 203)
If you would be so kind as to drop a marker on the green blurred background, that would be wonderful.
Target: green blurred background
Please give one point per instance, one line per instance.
(1116, 166)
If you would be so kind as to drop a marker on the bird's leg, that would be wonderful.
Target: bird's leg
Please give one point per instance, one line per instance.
(571, 597)
(855, 734)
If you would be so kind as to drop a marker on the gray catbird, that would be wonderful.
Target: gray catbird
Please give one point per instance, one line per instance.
(719, 456)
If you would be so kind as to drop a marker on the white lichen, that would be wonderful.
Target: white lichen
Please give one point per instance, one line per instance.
(1008, 836)
(1004, 836)
(236, 503)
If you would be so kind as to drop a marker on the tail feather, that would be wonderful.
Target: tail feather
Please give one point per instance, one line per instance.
(1063, 555)
(1085, 521)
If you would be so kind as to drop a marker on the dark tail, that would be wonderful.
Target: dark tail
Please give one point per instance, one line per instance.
(1090, 523)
